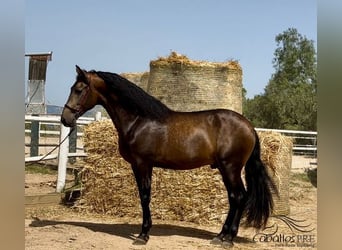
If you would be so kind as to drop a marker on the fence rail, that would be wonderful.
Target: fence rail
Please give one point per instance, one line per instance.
(49, 126)
(304, 142)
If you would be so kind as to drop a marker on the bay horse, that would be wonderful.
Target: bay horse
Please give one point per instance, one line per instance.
(152, 135)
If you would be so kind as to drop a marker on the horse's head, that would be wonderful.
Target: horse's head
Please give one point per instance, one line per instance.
(83, 96)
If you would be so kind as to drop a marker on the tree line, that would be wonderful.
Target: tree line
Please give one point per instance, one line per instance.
(289, 100)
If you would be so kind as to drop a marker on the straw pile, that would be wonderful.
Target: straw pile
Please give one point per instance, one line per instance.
(177, 58)
(187, 85)
(197, 195)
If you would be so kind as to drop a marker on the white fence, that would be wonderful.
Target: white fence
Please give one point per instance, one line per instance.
(305, 142)
(49, 126)
(53, 120)
(36, 131)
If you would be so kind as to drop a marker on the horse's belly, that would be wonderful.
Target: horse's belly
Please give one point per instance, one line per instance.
(184, 160)
(182, 165)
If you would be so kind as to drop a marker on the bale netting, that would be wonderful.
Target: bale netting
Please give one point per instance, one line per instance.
(186, 85)
(196, 195)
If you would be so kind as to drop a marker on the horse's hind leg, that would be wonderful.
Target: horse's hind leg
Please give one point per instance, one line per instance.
(231, 175)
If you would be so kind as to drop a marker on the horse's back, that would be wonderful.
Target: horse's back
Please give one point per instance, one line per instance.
(215, 119)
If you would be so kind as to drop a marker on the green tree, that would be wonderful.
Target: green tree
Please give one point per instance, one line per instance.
(290, 97)
(295, 58)
(253, 110)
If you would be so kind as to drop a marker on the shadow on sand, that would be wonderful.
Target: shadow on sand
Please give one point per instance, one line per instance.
(129, 231)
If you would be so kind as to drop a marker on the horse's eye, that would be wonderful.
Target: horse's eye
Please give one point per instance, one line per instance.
(78, 91)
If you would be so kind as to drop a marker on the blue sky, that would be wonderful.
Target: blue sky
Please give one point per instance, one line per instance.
(124, 35)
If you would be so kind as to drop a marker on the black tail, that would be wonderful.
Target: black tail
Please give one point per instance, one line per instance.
(259, 204)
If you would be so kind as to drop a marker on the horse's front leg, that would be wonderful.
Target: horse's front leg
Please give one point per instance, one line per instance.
(143, 177)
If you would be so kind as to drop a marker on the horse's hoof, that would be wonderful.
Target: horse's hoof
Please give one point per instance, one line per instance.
(141, 240)
(227, 244)
(216, 241)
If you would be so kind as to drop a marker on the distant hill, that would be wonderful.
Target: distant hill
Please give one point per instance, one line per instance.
(54, 110)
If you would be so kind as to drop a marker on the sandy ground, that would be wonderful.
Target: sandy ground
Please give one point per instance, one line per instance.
(60, 227)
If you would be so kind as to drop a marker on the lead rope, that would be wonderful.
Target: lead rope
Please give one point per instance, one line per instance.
(50, 152)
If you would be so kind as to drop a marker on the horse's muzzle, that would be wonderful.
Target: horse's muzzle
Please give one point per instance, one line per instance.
(68, 122)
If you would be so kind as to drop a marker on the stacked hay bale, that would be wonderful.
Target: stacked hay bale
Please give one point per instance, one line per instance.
(186, 85)
(197, 195)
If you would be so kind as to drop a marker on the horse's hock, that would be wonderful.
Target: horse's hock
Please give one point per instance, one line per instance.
(197, 195)
(186, 85)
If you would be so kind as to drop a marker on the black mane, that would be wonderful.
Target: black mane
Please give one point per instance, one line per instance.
(133, 98)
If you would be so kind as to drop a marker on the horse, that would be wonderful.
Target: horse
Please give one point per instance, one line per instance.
(152, 135)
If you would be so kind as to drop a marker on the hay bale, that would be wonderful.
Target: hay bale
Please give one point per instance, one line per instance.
(186, 85)
(276, 153)
(197, 195)
(138, 78)
(107, 178)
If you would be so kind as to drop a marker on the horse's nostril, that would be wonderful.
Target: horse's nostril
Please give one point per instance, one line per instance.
(63, 120)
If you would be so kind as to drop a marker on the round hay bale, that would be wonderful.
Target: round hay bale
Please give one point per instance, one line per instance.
(139, 78)
(196, 195)
(186, 85)
(276, 153)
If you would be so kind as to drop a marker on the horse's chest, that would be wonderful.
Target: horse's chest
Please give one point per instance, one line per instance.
(144, 145)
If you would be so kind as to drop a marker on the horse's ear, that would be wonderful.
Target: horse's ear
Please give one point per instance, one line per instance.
(79, 71)
(81, 74)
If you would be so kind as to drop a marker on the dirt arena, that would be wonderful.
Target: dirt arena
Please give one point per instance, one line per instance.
(60, 227)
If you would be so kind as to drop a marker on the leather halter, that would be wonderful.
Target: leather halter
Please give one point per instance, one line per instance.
(78, 111)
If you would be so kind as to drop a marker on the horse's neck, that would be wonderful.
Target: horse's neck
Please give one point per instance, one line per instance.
(123, 120)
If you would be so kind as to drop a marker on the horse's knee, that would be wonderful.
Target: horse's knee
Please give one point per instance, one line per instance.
(238, 198)
(145, 200)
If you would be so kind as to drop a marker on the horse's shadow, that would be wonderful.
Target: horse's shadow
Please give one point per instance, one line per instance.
(129, 231)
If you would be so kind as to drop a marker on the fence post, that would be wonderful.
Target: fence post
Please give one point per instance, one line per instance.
(73, 144)
(98, 116)
(62, 158)
(34, 144)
